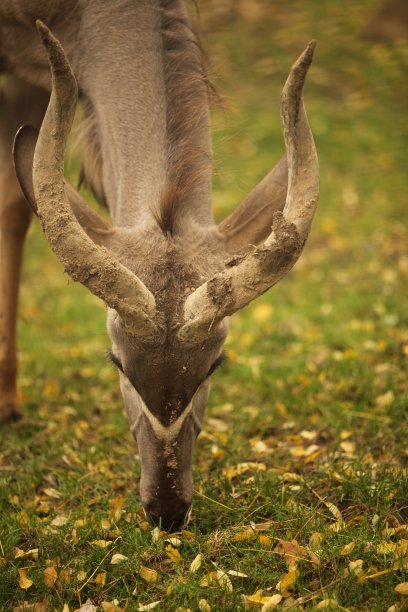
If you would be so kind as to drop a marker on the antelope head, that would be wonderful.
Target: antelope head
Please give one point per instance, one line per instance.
(169, 299)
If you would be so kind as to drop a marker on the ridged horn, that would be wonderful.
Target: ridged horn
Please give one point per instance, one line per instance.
(266, 264)
(92, 265)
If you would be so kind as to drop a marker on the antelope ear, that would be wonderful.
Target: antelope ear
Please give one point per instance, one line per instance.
(23, 155)
(250, 223)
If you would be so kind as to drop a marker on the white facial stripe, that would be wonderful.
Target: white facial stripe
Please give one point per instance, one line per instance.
(167, 434)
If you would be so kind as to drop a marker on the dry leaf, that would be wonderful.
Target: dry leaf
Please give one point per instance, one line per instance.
(105, 524)
(87, 607)
(59, 520)
(272, 603)
(402, 588)
(150, 606)
(196, 563)
(23, 580)
(118, 558)
(40, 606)
(50, 576)
(52, 493)
(174, 541)
(148, 574)
(327, 604)
(224, 581)
(265, 541)
(204, 606)
(107, 606)
(242, 536)
(101, 578)
(101, 543)
(291, 551)
(236, 573)
(347, 549)
(287, 581)
(173, 554)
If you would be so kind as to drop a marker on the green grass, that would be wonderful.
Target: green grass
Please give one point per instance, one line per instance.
(306, 431)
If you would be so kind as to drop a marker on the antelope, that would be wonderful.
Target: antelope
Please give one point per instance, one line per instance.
(168, 275)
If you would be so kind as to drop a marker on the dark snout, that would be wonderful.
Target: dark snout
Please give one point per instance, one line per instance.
(169, 522)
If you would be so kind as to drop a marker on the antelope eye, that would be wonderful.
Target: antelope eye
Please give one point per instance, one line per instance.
(217, 363)
(115, 360)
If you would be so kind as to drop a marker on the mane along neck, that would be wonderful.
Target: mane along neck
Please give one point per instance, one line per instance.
(149, 120)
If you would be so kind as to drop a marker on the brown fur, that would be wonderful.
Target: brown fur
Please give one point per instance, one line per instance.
(186, 86)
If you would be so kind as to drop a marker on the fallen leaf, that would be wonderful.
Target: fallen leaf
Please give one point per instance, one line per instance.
(148, 574)
(101, 543)
(52, 493)
(402, 588)
(204, 606)
(291, 551)
(100, 578)
(287, 581)
(347, 549)
(59, 521)
(173, 554)
(196, 563)
(265, 541)
(150, 606)
(50, 576)
(40, 606)
(242, 536)
(224, 581)
(107, 606)
(236, 573)
(118, 558)
(23, 580)
(272, 603)
(87, 607)
(327, 604)
(174, 541)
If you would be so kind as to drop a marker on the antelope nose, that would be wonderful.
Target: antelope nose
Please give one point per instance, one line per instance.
(168, 522)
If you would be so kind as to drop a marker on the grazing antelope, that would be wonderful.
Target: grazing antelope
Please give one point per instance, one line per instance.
(169, 276)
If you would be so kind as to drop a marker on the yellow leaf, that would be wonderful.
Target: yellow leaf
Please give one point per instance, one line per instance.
(101, 543)
(327, 604)
(107, 606)
(117, 506)
(105, 524)
(265, 541)
(365, 577)
(356, 567)
(204, 606)
(23, 580)
(224, 581)
(271, 603)
(236, 573)
(196, 563)
(242, 536)
(50, 576)
(386, 548)
(348, 447)
(81, 575)
(52, 493)
(402, 588)
(148, 574)
(287, 581)
(59, 521)
(347, 549)
(65, 575)
(315, 540)
(173, 554)
(401, 564)
(118, 558)
(101, 578)
(173, 541)
(150, 606)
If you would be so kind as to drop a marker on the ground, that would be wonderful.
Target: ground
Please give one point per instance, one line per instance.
(301, 471)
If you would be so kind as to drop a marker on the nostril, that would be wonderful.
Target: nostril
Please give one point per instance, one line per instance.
(169, 522)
